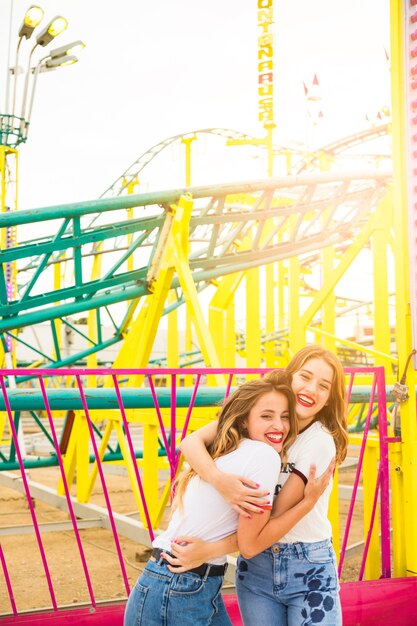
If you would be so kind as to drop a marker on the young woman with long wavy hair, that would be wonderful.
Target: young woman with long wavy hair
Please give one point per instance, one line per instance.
(292, 580)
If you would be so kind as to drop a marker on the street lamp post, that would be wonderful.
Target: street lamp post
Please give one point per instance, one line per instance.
(31, 20)
(52, 30)
(14, 129)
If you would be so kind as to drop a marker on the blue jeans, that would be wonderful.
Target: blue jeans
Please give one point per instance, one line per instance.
(161, 598)
(290, 585)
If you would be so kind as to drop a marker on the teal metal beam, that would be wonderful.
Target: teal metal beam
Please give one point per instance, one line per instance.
(52, 461)
(44, 261)
(104, 398)
(70, 308)
(70, 359)
(103, 205)
(78, 257)
(86, 289)
(100, 233)
(24, 343)
(3, 290)
(125, 256)
(78, 331)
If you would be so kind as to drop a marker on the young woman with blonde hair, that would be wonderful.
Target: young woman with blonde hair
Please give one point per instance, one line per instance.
(291, 581)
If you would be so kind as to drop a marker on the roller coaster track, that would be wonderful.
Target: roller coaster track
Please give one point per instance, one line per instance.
(133, 171)
(310, 163)
(340, 146)
(309, 212)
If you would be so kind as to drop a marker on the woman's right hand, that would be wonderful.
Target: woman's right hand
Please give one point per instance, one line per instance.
(316, 486)
(242, 494)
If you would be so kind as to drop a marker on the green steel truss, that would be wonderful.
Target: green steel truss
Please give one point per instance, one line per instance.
(307, 212)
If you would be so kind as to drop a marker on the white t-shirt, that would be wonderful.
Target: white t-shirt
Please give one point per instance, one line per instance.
(315, 445)
(205, 513)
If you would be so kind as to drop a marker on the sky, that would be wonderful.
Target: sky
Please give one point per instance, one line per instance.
(154, 69)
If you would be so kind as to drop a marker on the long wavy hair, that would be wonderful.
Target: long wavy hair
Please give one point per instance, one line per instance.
(231, 428)
(333, 415)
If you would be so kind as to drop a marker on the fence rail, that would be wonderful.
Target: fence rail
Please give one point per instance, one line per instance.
(163, 410)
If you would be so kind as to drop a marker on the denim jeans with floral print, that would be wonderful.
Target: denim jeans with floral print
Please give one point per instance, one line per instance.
(290, 585)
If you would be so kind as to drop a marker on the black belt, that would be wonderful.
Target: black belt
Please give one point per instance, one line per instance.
(206, 569)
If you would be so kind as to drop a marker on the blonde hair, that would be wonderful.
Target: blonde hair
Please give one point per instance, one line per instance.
(333, 415)
(231, 428)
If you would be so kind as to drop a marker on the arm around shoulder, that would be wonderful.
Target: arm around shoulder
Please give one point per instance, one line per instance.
(194, 449)
(241, 493)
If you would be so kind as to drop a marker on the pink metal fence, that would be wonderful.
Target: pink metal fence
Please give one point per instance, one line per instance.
(378, 395)
(170, 437)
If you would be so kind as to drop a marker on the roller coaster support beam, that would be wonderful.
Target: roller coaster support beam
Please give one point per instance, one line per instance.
(104, 205)
(253, 319)
(400, 72)
(221, 218)
(334, 276)
(382, 333)
(220, 309)
(94, 326)
(296, 331)
(170, 257)
(8, 204)
(329, 305)
(187, 141)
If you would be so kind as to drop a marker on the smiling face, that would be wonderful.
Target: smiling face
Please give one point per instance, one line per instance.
(268, 420)
(312, 385)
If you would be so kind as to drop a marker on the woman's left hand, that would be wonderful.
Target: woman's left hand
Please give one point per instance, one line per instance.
(189, 552)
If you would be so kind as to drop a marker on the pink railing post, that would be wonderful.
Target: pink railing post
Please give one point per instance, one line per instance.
(27, 492)
(187, 419)
(371, 526)
(67, 492)
(357, 477)
(172, 464)
(160, 420)
(133, 456)
(229, 385)
(382, 482)
(383, 467)
(8, 582)
(103, 484)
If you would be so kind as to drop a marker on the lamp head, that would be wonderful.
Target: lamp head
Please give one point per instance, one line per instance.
(32, 18)
(60, 62)
(54, 28)
(67, 50)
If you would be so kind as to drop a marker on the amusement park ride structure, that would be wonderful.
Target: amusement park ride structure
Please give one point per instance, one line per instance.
(133, 258)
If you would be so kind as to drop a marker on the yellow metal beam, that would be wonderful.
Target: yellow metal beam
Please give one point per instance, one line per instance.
(180, 254)
(296, 331)
(402, 280)
(350, 254)
(173, 344)
(253, 320)
(382, 331)
(187, 141)
(219, 314)
(269, 346)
